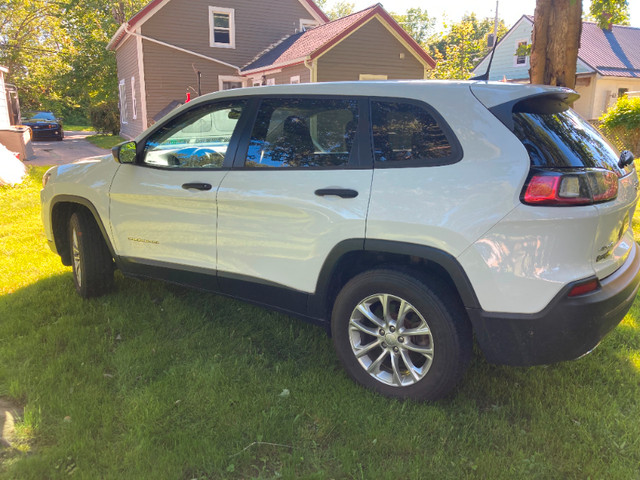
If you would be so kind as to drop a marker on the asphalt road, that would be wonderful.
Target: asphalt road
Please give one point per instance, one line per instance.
(72, 149)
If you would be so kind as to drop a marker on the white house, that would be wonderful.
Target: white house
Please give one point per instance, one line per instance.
(4, 107)
(608, 63)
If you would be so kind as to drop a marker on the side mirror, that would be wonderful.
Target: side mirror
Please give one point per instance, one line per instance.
(626, 158)
(125, 152)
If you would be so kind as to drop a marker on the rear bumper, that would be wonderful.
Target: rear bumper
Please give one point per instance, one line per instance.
(566, 329)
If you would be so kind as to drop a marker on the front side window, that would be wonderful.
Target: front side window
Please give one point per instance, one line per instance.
(296, 132)
(407, 132)
(222, 27)
(198, 138)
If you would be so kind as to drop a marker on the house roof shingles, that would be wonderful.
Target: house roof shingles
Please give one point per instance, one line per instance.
(312, 43)
(612, 53)
(302, 44)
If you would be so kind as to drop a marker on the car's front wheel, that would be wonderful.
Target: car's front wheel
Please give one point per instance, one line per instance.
(401, 335)
(91, 261)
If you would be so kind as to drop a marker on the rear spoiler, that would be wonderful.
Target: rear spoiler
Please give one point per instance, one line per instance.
(544, 102)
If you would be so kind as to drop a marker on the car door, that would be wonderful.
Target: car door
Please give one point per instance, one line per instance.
(299, 187)
(163, 208)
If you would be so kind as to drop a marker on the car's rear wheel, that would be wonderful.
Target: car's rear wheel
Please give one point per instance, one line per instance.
(91, 261)
(400, 335)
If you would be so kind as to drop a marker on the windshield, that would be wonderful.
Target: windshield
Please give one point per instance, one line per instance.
(48, 116)
(563, 139)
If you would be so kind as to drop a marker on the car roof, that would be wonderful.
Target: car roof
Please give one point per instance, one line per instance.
(493, 93)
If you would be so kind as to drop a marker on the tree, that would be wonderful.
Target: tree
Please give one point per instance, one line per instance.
(556, 39)
(339, 10)
(458, 51)
(56, 52)
(608, 12)
(417, 23)
(31, 39)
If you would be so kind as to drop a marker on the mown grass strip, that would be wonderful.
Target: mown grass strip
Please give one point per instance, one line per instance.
(105, 141)
(158, 382)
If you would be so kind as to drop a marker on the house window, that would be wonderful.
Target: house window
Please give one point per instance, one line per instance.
(231, 85)
(366, 76)
(228, 82)
(122, 89)
(521, 60)
(271, 81)
(134, 103)
(222, 31)
(307, 24)
(622, 92)
(295, 79)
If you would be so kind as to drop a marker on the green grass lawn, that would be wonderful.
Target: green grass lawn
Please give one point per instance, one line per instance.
(105, 141)
(158, 382)
(78, 127)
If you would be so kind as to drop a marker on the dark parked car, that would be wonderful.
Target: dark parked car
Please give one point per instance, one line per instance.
(45, 125)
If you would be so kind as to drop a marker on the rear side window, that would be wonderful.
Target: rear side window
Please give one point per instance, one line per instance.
(407, 132)
(303, 132)
(557, 137)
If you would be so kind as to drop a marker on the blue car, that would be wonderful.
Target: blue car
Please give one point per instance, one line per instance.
(45, 125)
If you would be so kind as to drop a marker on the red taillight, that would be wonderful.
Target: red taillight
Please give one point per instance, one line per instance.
(585, 287)
(566, 188)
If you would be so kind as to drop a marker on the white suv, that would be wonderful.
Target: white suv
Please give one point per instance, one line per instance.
(407, 217)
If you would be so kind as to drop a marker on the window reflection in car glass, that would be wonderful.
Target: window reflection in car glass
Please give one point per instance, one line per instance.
(564, 140)
(197, 139)
(403, 131)
(303, 133)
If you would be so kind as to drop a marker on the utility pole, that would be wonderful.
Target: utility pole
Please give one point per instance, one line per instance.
(495, 25)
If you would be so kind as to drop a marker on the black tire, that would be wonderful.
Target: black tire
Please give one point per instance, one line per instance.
(91, 260)
(432, 320)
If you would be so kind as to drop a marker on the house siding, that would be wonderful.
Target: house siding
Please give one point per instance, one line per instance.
(606, 92)
(372, 44)
(127, 60)
(258, 24)
(586, 87)
(284, 76)
(169, 75)
(504, 59)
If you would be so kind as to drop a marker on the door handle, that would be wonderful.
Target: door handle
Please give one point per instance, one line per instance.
(339, 192)
(196, 186)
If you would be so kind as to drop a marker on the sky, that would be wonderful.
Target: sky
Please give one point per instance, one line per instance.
(508, 10)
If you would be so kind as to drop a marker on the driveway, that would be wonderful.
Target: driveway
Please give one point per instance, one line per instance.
(72, 149)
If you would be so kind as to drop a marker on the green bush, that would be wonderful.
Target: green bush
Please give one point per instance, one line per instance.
(105, 117)
(622, 123)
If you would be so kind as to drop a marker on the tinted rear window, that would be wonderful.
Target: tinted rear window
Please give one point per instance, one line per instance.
(563, 139)
(407, 132)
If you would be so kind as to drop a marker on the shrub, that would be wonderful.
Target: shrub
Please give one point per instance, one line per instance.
(622, 123)
(105, 117)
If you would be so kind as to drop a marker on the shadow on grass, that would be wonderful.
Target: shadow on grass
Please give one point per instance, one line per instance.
(166, 381)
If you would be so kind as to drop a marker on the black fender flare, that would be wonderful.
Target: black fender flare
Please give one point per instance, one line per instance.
(431, 254)
(89, 206)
